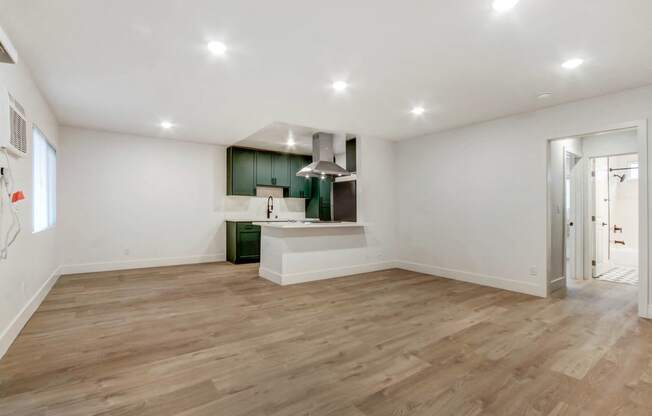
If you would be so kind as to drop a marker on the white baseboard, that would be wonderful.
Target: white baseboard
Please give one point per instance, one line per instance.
(649, 312)
(10, 333)
(295, 278)
(140, 263)
(480, 279)
(270, 275)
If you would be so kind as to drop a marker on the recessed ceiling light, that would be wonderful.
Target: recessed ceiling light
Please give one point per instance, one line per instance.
(572, 63)
(504, 5)
(216, 48)
(340, 86)
(544, 95)
(166, 125)
(290, 142)
(417, 111)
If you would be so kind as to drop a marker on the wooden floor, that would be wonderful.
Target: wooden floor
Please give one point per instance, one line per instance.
(216, 340)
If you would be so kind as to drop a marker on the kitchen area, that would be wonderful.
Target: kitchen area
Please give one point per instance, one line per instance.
(293, 194)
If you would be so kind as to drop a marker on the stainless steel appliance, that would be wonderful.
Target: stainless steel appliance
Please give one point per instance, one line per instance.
(345, 201)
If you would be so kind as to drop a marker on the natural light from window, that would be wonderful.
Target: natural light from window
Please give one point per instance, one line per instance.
(45, 182)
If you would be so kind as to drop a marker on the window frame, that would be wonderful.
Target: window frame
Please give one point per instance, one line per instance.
(50, 178)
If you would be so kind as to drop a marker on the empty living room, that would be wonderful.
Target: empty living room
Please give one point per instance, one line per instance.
(345, 208)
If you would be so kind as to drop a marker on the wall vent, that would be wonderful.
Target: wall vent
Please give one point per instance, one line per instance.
(18, 138)
(14, 138)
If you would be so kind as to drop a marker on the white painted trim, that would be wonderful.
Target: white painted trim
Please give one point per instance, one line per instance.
(295, 278)
(644, 218)
(140, 263)
(476, 278)
(649, 312)
(270, 275)
(10, 333)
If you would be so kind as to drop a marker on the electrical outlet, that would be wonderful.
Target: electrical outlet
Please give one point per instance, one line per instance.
(533, 271)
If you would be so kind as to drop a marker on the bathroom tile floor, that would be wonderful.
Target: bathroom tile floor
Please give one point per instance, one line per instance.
(618, 274)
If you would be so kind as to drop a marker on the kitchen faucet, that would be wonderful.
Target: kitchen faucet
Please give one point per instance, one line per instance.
(270, 206)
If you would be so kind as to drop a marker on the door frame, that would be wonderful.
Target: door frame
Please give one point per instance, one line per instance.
(641, 126)
(578, 185)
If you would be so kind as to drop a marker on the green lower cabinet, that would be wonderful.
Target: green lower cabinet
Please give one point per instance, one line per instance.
(242, 242)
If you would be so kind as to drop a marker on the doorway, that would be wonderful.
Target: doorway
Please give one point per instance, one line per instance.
(615, 180)
(597, 211)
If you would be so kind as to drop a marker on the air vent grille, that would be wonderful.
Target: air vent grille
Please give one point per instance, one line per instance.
(18, 138)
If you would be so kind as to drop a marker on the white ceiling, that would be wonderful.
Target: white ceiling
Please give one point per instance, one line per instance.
(276, 136)
(126, 65)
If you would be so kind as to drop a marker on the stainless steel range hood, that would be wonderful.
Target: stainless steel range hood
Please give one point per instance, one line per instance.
(322, 158)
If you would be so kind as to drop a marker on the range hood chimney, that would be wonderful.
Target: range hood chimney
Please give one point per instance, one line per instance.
(322, 159)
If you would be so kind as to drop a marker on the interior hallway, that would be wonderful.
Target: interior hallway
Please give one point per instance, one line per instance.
(215, 339)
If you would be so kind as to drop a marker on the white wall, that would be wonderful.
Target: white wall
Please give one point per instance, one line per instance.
(376, 197)
(25, 277)
(472, 201)
(128, 201)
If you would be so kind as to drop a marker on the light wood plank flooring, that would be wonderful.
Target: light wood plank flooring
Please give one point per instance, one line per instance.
(214, 339)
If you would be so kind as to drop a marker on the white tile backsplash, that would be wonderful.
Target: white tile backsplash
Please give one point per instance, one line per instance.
(245, 208)
(264, 192)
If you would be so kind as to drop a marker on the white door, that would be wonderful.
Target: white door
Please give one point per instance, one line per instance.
(601, 220)
(572, 202)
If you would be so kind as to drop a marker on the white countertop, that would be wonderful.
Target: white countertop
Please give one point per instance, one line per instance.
(309, 225)
(249, 219)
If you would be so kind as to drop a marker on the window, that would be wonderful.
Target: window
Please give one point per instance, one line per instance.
(45, 182)
(633, 168)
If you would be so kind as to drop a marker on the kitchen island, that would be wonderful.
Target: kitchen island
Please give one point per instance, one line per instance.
(302, 251)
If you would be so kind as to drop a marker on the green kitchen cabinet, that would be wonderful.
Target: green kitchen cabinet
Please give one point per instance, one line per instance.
(272, 169)
(281, 169)
(264, 176)
(240, 171)
(319, 205)
(242, 242)
(299, 186)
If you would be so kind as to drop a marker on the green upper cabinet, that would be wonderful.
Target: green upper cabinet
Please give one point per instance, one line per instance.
(272, 169)
(249, 168)
(281, 169)
(299, 186)
(240, 174)
(264, 175)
